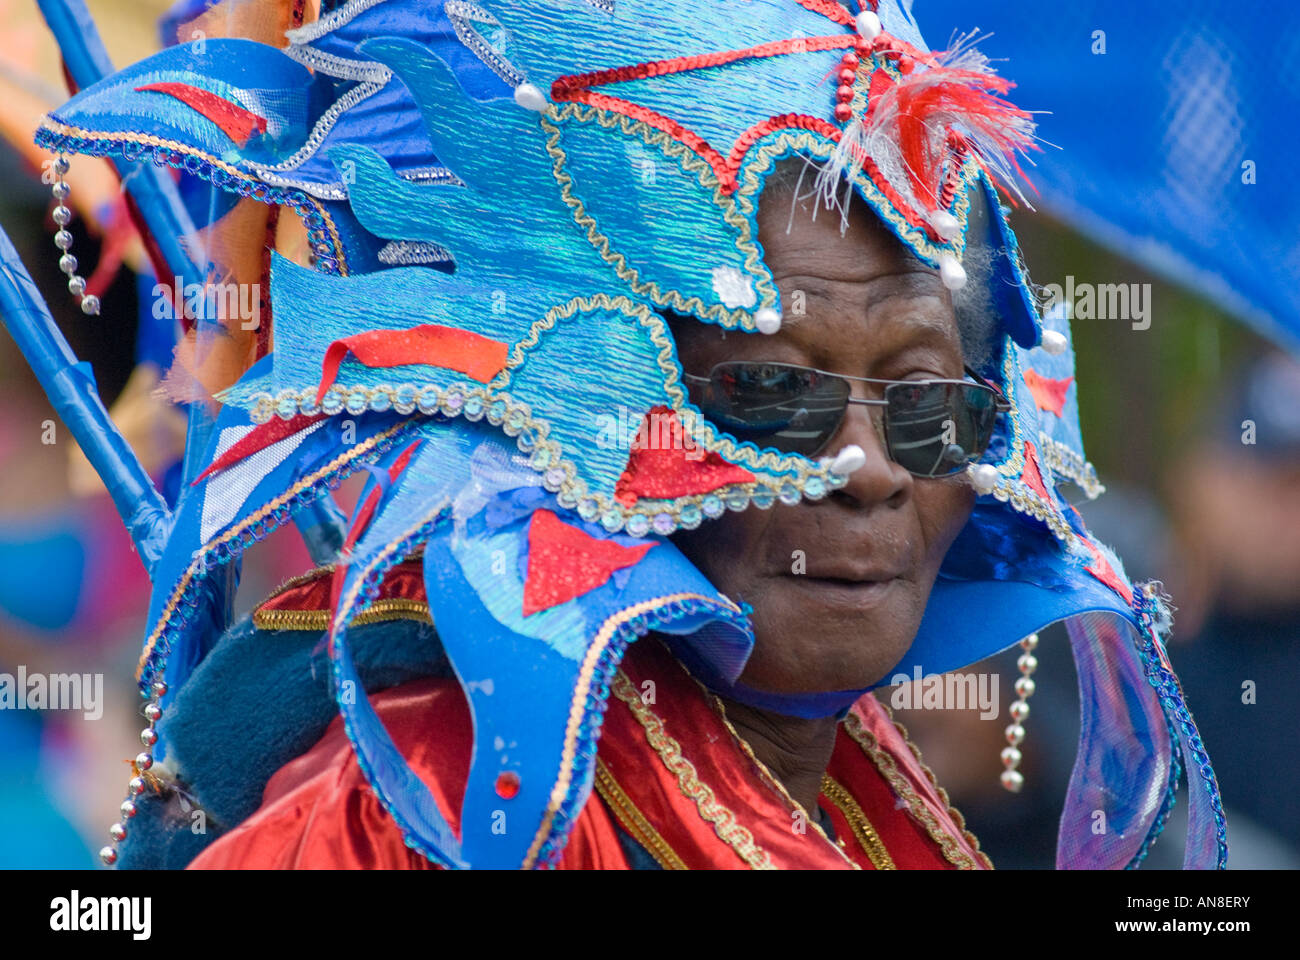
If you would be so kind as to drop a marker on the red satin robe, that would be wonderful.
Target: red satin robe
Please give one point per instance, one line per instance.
(673, 773)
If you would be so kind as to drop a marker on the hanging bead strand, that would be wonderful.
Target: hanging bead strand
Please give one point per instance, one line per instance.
(1013, 779)
(63, 239)
(140, 766)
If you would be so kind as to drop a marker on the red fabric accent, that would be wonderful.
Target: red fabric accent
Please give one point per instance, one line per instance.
(665, 463)
(1048, 394)
(1103, 571)
(264, 291)
(1031, 475)
(451, 348)
(259, 438)
(832, 10)
(318, 811)
(404, 581)
(235, 122)
(565, 562)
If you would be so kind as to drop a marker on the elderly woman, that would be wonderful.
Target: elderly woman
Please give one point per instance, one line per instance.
(765, 244)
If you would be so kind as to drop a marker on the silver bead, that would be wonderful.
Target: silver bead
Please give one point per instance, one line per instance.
(108, 855)
(1019, 711)
(62, 166)
(148, 736)
(152, 711)
(136, 786)
(1029, 642)
(160, 688)
(61, 190)
(1012, 780)
(63, 240)
(117, 832)
(128, 809)
(1010, 757)
(90, 305)
(62, 215)
(1027, 663)
(76, 285)
(1025, 688)
(1015, 734)
(68, 263)
(144, 761)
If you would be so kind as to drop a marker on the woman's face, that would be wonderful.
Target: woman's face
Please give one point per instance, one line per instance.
(838, 586)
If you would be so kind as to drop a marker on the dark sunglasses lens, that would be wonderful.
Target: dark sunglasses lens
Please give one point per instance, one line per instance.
(774, 405)
(934, 429)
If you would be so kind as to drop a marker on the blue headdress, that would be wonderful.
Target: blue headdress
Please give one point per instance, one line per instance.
(504, 197)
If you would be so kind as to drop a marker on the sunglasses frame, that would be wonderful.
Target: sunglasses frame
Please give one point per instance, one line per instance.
(1000, 402)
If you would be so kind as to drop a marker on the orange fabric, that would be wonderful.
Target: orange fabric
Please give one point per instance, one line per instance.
(319, 811)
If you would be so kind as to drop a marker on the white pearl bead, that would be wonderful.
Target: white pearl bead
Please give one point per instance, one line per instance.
(951, 271)
(983, 477)
(849, 459)
(1012, 780)
(530, 97)
(868, 24)
(767, 320)
(1054, 342)
(945, 224)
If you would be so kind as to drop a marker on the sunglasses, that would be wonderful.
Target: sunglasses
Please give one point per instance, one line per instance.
(931, 428)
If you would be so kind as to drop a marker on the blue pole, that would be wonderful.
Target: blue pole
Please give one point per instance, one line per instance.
(70, 385)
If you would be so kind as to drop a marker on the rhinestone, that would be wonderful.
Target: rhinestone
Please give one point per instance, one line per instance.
(286, 405)
(61, 190)
(814, 488)
(1019, 711)
(554, 478)
(128, 809)
(117, 832)
(664, 524)
(474, 408)
(690, 516)
(143, 761)
(404, 399)
(638, 525)
(587, 509)
(63, 240)
(148, 736)
(427, 400)
(262, 408)
(737, 500)
(381, 398)
(332, 402)
(357, 401)
(1012, 780)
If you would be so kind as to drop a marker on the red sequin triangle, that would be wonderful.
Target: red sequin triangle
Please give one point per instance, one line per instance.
(564, 562)
(666, 463)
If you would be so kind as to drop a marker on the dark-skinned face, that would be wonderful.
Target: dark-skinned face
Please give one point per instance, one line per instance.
(872, 549)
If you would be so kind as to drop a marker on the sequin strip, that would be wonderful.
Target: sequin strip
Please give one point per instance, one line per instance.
(670, 752)
(861, 826)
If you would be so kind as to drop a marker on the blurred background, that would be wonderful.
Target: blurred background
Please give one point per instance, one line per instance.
(1171, 134)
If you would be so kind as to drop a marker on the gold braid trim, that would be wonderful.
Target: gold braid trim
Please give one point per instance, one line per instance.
(885, 763)
(866, 834)
(381, 611)
(670, 752)
(633, 821)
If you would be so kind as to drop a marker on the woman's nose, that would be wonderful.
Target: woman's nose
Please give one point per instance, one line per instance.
(879, 479)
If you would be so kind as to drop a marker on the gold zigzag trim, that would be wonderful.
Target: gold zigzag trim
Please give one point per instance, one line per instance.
(669, 750)
(381, 611)
(888, 768)
(865, 833)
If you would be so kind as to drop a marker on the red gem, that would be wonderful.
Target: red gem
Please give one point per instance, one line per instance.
(905, 65)
(508, 785)
(845, 93)
(848, 75)
(850, 60)
(843, 112)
